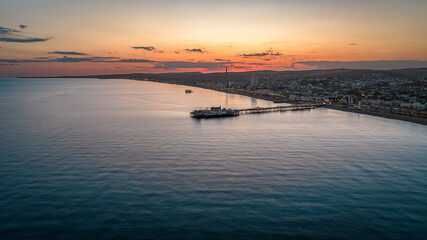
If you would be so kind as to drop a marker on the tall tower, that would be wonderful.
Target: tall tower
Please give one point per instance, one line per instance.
(226, 77)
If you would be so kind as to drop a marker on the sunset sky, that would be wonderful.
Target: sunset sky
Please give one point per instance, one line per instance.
(63, 37)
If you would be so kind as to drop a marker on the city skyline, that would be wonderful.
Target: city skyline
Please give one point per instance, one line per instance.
(48, 38)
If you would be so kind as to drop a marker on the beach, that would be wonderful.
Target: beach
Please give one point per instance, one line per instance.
(388, 115)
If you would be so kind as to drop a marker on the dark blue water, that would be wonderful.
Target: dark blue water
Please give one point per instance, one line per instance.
(120, 159)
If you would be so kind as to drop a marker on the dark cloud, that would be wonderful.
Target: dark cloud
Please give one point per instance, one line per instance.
(352, 44)
(267, 59)
(135, 61)
(6, 31)
(222, 60)
(169, 65)
(377, 65)
(23, 39)
(88, 59)
(22, 26)
(96, 59)
(106, 58)
(263, 54)
(176, 52)
(75, 60)
(150, 48)
(276, 54)
(9, 64)
(67, 53)
(196, 50)
(10, 35)
(22, 60)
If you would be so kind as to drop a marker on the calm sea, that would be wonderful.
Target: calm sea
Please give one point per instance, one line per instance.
(122, 159)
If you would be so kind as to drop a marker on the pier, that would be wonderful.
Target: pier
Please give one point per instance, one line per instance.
(218, 112)
(276, 109)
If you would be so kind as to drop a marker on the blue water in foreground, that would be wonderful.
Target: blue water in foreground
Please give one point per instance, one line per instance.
(122, 159)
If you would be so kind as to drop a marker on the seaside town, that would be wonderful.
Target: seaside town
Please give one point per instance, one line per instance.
(402, 92)
(371, 92)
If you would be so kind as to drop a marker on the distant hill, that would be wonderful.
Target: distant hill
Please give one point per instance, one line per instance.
(329, 73)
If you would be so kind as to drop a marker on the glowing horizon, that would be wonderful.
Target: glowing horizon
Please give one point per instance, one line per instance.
(47, 37)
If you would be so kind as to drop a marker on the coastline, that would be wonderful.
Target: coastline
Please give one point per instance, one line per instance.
(418, 120)
(277, 99)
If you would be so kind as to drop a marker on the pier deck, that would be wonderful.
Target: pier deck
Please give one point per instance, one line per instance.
(276, 109)
(218, 112)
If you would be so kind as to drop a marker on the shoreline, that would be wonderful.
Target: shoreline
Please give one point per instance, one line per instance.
(278, 99)
(412, 119)
(418, 120)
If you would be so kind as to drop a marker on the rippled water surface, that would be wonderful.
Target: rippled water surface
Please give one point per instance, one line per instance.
(122, 159)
